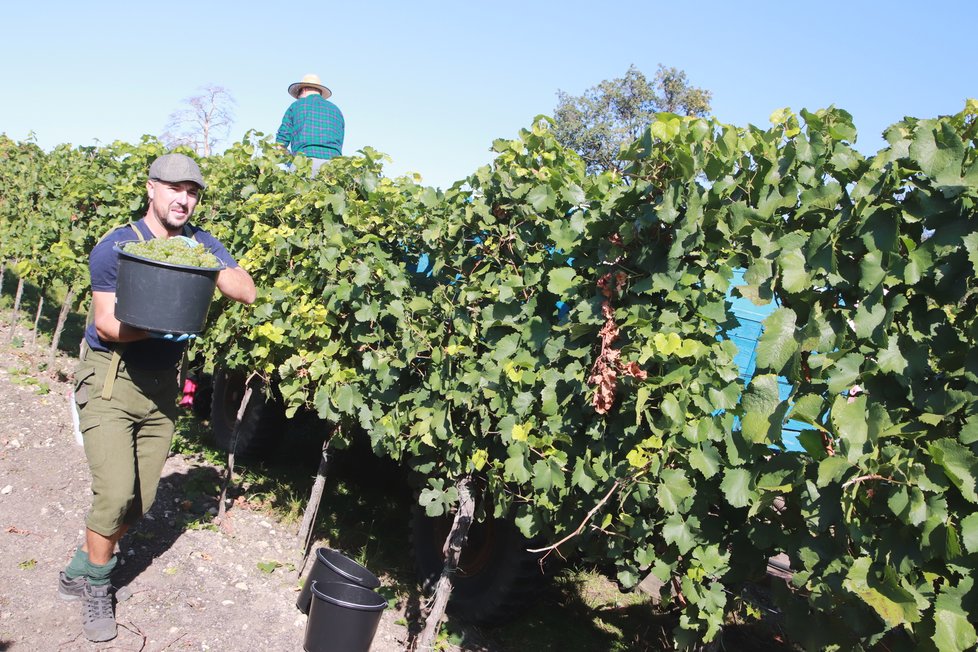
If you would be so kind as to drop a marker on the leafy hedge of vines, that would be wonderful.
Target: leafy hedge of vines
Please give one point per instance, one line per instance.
(564, 344)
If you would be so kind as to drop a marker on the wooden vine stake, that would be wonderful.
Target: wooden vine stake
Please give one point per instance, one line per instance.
(62, 318)
(15, 316)
(312, 507)
(229, 471)
(453, 550)
(37, 318)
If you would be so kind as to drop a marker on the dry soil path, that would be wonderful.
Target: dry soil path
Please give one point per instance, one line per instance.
(190, 588)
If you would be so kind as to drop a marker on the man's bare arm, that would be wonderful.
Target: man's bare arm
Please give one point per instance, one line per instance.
(109, 328)
(236, 283)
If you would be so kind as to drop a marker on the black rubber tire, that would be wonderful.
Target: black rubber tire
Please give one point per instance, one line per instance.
(496, 579)
(262, 420)
(203, 397)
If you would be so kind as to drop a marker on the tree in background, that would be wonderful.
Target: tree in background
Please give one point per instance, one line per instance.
(203, 123)
(614, 113)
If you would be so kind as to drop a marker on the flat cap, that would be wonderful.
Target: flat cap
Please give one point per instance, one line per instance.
(174, 168)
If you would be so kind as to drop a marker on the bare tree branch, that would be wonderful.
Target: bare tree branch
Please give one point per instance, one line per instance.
(580, 528)
(203, 123)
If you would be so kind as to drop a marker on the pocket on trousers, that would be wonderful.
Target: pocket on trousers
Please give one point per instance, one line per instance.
(83, 382)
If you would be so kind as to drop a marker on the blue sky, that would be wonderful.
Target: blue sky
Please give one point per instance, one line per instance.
(433, 83)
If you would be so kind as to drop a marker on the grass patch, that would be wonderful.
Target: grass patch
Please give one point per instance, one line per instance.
(26, 377)
(583, 610)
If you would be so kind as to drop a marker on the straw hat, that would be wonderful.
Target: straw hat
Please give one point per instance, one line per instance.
(309, 80)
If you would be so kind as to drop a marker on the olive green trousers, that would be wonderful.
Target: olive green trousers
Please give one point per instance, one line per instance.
(126, 418)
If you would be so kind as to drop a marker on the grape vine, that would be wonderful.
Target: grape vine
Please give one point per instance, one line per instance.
(560, 338)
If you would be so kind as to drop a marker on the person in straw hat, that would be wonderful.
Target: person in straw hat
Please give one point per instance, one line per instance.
(312, 125)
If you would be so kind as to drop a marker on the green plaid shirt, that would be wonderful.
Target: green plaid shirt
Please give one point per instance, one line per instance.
(314, 127)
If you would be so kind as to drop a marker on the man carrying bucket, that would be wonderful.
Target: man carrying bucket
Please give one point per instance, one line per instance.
(126, 389)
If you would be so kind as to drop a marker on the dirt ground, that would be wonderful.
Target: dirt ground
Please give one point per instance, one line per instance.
(180, 587)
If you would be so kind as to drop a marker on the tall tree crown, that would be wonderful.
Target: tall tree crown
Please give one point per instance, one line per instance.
(614, 113)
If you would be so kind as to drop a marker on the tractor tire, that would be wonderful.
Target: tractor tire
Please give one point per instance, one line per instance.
(262, 420)
(203, 397)
(496, 578)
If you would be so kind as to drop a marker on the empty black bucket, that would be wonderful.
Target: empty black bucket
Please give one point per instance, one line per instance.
(163, 297)
(333, 566)
(342, 617)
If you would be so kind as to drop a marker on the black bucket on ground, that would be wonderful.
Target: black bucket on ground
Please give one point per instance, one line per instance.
(342, 617)
(333, 566)
(163, 297)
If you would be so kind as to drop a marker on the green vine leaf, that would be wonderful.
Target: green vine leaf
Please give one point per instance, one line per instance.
(894, 604)
(679, 532)
(953, 629)
(763, 410)
(561, 280)
(959, 464)
(778, 344)
(736, 487)
(969, 532)
(674, 491)
(850, 423)
(795, 277)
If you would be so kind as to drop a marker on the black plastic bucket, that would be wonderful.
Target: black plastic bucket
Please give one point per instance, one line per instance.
(163, 297)
(333, 566)
(342, 617)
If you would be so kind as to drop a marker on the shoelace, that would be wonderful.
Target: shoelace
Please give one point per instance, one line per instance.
(98, 605)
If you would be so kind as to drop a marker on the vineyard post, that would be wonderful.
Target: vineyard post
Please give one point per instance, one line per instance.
(15, 316)
(315, 497)
(62, 318)
(229, 472)
(453, 550)
(37, 318)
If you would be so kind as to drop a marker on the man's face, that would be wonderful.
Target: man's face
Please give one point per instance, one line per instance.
(172, 203)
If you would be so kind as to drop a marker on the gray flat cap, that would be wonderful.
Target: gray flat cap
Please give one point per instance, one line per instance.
(174, 168)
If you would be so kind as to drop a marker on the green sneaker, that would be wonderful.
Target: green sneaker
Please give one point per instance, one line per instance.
(98, 619)
(71, 590)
